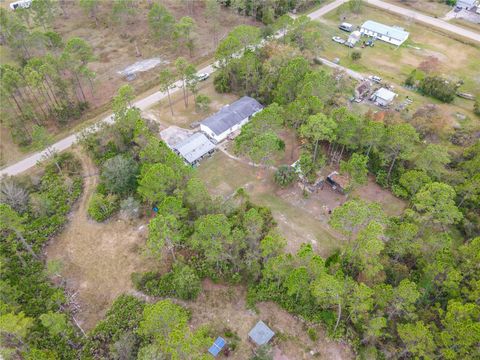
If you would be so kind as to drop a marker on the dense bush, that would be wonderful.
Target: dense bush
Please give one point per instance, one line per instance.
(181, 282)
(119, 174)
(101, 207)
(285, 175)
(438, 88)
(24, 284)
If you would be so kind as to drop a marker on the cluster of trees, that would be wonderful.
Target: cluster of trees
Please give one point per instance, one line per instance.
(35, 322)
(50, 83)
(268, 11)
(406, 276)
(438, 88)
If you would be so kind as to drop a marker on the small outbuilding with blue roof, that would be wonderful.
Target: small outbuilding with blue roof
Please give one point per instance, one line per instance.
(217, 346)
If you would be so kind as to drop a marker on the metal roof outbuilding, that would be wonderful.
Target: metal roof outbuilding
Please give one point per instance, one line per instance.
(261, 333)
(194, 147)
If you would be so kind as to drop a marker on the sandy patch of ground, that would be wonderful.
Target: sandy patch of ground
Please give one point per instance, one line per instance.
(224, 308)
(98, 258)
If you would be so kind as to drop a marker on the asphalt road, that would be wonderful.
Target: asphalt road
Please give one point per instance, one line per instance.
(154, 98)
(444, 25)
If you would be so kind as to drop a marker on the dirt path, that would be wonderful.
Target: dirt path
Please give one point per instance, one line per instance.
(98, 258)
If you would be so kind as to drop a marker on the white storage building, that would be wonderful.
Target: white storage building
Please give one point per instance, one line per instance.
(230, 118)
(390, 34)
(466, 4)
(383, 97)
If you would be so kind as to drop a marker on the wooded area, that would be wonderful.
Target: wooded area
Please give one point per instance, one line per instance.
(399, 287)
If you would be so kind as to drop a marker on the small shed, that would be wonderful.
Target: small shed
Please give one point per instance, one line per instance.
(261, 334)
(338, 182)
(383, 97)
(353, 38)
(217, 346)
(194, 148)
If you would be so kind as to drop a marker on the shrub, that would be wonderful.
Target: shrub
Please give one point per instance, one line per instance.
(101, 207)
(312, 334)
(130, 208)
(119, 174)
(182, 282)
(285, 175)
(222, 82)
(356, 55)
(202, 103)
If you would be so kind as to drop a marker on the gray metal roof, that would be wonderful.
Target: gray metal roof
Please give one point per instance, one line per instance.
(232, 114)
(390, 31)
(194, 147)
(261, 333)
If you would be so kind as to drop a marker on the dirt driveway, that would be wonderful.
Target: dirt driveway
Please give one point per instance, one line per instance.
(97, 258)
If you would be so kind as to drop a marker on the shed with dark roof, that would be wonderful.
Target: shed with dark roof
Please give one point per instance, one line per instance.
(230, 118)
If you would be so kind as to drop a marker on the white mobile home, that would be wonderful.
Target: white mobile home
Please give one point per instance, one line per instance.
(390, 34)
(230, 118)
(466, 4)
(22, 4)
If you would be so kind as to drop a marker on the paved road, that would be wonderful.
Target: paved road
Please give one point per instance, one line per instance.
(444, 25)
(151, 100)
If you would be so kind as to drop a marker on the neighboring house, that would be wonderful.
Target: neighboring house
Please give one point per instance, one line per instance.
(390, 34)
(466, 4)
(194, 148)
(230, 118)
(353, 38)
(338, 182)
(383, 97)
(261, 333)
(362, 90)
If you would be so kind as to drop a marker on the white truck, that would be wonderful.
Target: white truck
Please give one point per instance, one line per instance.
(22, 4)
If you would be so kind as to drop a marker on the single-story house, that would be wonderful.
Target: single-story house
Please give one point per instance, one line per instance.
(353, 38)
(383, 97)
(466, 4)
(391, 34)
(194, 148)
(230, 118)
(261, 333)
(338, 182)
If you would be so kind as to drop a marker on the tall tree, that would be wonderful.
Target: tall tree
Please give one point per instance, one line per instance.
(183, 33)
(318, 128)
(91, 8)
(165, 231)
(213, 14)
(165, 79)
(400, 144)
(161, 22)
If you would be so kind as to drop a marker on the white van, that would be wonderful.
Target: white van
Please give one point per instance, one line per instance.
(346, 27)
(22, 4)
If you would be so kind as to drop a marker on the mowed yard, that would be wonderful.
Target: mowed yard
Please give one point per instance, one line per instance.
(458, 60)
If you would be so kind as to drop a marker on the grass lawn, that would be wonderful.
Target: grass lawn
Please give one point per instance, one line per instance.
(458, 60)
(299, 219)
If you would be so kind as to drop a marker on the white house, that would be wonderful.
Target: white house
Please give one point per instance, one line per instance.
(466, 4)
(383, 97)
(230, 118)
(390, 34)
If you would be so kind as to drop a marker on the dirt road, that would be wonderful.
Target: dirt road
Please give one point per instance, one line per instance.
(98, 258)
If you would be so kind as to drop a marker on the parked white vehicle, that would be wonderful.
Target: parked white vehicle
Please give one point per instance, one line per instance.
(338, 39)
(202, 76)
(376, 79)
(22, 4)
